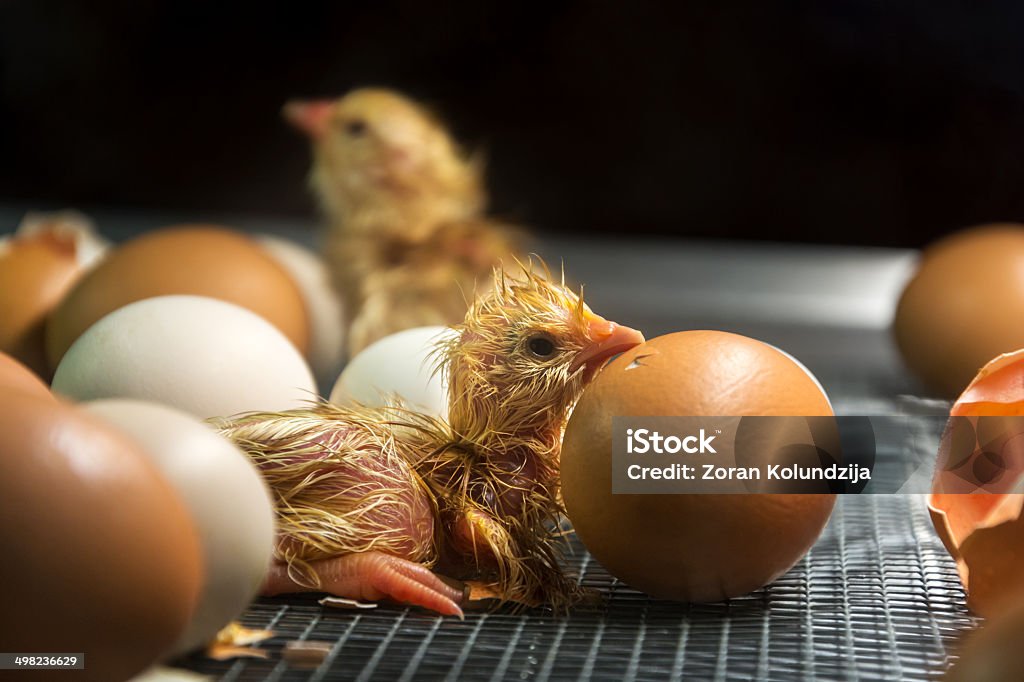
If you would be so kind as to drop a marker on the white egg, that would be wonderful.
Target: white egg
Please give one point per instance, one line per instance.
(206, 357)
(226, 496)
(323, 304)
(400, 364)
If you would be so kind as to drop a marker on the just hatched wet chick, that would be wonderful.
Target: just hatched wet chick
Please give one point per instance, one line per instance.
(407, 238)
(369, 500)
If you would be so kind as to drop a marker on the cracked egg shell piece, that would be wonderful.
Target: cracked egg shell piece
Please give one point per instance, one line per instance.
(980, 523)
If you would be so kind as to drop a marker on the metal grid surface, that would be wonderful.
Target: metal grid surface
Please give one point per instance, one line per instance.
(877, 598)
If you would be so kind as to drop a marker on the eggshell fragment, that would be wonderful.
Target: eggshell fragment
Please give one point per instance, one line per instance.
(400, 364)
(226, 496)
(204, 356)
(979, 519)
(100, 555)
(165, 674)
(963, 306)
(200, 260)
(69, 226)
(38, 265)
(696, 547)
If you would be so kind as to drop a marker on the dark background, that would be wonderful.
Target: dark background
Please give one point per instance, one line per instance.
(850, 122)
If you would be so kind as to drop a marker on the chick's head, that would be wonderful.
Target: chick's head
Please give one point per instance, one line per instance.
(524, 354)
(374, 147)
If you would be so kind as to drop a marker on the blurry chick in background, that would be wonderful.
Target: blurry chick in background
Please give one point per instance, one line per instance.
(370, 499)
(407, 239)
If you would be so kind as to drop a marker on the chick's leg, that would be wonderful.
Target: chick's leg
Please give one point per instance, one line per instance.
(371, 576)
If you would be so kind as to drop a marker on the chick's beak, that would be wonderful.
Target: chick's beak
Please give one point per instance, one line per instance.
(310, 116)
(608, 339)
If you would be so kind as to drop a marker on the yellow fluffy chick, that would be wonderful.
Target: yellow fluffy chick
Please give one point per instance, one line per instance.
(369, 500)
(407, 240)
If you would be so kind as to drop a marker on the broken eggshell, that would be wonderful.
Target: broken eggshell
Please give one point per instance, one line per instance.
(977, 499)
(38, 265)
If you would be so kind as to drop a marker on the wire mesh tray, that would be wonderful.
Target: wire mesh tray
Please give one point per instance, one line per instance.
(877, 598)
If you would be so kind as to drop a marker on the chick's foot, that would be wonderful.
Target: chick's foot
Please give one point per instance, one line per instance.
(372, 576)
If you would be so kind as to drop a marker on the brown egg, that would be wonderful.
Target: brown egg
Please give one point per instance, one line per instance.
(35, 273)
(976, 505)
(993, 653)
(202, 260)
(15, 376)
(963, 307)
(696, 547)
(100, 555)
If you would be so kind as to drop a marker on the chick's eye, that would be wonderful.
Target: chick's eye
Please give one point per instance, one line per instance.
(541, 346)
(355, 127)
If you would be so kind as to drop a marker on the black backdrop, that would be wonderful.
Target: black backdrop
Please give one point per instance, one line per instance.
(851, 122)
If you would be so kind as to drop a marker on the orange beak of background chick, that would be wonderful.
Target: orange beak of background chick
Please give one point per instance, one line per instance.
(312, 117)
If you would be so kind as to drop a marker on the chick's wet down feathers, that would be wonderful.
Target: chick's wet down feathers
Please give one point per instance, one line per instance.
(407, 238)
(476, 497)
